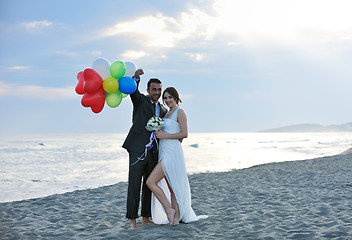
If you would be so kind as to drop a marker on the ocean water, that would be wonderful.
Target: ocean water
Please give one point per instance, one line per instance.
(34, 166)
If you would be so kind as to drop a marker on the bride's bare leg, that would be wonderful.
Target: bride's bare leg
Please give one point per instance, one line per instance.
(174, 204)
(152, 182)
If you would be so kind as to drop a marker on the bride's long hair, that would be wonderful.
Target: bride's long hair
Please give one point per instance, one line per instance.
(173, 92)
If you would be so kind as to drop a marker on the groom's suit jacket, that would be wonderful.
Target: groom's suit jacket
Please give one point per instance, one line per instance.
(143, 110)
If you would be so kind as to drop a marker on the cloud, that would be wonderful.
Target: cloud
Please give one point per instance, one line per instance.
(75, 53)
(133, 55)
(233, 43)
(282, 20)
(36, 92)
(164, 31)
(312, 29)
(36, 24)
(95, 53)
(196, 56)
(18, 68)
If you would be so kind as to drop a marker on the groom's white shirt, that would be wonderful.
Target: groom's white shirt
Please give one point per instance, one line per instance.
(157, 109)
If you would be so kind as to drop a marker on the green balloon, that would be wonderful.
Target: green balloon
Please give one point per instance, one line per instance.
(113, 99)
(117, 69)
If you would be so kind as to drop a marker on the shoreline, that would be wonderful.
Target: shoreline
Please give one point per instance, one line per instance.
(346, 152)
(294, 199)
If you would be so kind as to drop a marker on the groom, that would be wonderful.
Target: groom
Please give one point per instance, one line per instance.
(144, 107)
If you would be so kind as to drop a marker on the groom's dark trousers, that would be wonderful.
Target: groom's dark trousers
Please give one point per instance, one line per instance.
(139, 170)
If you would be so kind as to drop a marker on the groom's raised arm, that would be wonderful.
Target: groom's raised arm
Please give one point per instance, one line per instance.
(136, 95)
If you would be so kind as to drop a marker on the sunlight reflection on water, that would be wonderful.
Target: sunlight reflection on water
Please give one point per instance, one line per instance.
(40, 165)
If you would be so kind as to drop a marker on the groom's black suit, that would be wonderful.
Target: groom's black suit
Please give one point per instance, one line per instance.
(135, 142)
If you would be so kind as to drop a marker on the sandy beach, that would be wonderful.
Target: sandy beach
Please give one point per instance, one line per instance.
(309, 199)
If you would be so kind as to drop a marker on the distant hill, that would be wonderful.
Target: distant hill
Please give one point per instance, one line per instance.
(313, 128)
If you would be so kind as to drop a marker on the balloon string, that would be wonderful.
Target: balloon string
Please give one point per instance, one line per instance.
(147, 148)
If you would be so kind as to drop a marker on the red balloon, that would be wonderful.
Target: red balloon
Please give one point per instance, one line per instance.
(79, 88)
(94, 100)
(92, 80)
(98, 108)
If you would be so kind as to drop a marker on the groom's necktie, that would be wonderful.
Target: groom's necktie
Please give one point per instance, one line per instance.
(154, 108)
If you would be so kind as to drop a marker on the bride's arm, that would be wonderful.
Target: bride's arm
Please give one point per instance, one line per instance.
(182, 121)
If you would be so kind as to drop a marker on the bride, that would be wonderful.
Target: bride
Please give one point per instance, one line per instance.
(168, 181)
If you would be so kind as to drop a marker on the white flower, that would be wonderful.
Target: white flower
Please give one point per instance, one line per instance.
(155, 123)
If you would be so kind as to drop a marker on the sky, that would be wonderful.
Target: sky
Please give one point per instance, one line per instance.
(239, 66)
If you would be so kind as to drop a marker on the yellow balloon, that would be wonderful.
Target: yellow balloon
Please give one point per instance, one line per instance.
(110, 85)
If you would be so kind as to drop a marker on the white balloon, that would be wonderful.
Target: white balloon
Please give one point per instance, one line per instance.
(102, 66)
(130, 69)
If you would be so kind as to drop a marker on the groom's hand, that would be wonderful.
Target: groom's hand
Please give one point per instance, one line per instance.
(138, 73)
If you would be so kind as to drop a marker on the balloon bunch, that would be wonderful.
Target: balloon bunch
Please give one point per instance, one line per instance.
(105, 82)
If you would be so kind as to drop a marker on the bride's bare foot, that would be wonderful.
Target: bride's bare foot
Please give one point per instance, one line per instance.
(177, 217)
(176, 222)
(171, 216)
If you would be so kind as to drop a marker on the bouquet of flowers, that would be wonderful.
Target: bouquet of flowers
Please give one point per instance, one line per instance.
(155, 123)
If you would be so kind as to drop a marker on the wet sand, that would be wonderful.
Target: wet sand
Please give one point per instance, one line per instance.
(309, 199)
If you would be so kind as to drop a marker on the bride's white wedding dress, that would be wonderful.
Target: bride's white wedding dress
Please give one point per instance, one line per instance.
(173, 163)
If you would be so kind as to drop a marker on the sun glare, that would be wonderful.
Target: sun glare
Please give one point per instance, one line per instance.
(282, 19)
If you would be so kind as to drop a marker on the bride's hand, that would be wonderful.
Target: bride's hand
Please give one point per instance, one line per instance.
(159, 134)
